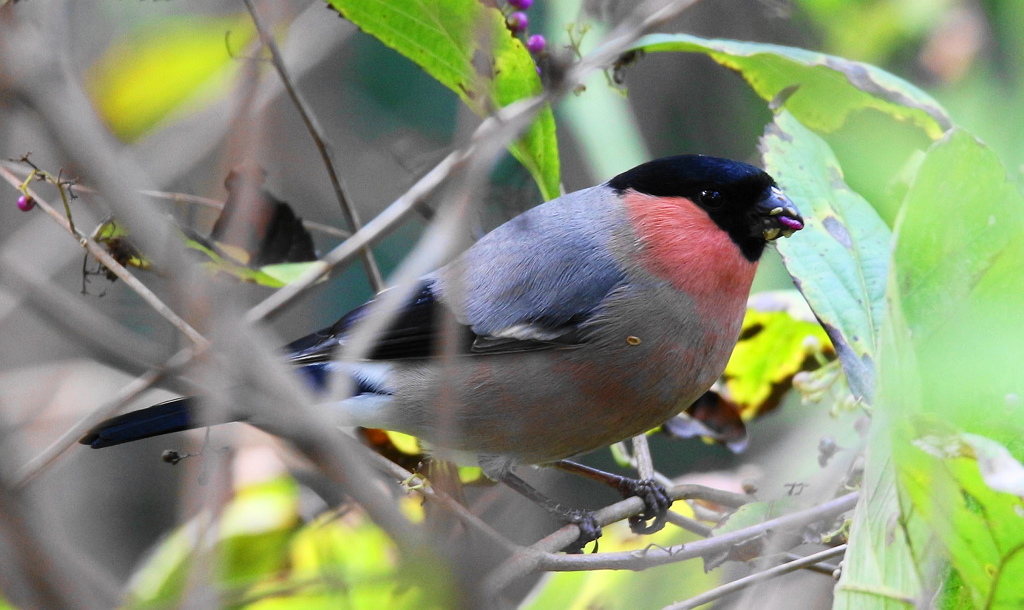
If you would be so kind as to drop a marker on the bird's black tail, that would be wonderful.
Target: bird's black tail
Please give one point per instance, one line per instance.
(164, 418)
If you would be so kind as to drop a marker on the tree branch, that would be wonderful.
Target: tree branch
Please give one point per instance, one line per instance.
(504, 125)
(115, 267)
(654, 556)
(739, 584)
(313, 127)
(39, 464)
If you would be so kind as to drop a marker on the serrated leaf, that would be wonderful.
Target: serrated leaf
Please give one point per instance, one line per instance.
(828, 89)
(840, 260)
(149, 74)
(468, 48)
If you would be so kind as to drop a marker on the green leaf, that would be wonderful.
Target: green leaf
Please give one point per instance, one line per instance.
(840, 260)
(256, 528)
(143, 78)
(829, 88)
(272, 276)
(980, 529)
(958, 290)
(879, 571)
(285, 273)
(467, 47)
(951, 362)
(252, 541)
(262, 558)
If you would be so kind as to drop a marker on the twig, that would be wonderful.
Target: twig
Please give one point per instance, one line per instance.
(701, 548)
(827, 569)
(110, 342)
(688, 524)
(347, 209)
(642, 457)
(284, 407)
(458, 510)
(219, 205)
(115, 267)
(55, 94)
(39, 464)
(741, 583)
(653, 556)
(39, 569)
(208, 202)
(494, 128)
(372, 231)
(534, 556)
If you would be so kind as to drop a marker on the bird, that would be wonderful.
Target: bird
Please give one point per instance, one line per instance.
(584, 321)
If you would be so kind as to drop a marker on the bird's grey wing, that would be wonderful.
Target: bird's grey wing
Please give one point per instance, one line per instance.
(532, 284)
(536, 280)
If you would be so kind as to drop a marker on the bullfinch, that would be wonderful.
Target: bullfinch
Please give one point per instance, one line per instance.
(584, 321)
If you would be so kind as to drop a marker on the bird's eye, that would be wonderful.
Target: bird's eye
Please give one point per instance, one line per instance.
(711, 199)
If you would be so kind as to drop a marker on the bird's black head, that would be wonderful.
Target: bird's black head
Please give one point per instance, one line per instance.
(741, 199)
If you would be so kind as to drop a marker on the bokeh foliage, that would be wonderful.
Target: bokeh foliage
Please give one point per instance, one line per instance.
(911, 260)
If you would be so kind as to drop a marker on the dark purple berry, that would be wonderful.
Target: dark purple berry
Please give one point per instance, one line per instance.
(26, 203)
(517, 22)
(536, 44)
(521, 4)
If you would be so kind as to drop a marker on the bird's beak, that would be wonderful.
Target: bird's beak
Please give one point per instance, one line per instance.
(780, 218)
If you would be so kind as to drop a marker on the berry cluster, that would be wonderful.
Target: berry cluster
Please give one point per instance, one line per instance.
(518, 22)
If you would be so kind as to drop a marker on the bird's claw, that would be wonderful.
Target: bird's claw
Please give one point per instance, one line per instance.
(590, 530)
(656, 504)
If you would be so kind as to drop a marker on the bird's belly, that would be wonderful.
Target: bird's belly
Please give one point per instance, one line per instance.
(543, 406)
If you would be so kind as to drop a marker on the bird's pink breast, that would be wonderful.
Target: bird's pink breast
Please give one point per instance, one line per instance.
(682, 245)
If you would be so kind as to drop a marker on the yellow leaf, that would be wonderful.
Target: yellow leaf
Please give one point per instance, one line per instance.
(144, 77)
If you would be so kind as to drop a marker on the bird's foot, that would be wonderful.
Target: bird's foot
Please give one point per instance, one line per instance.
(590, 530)
(656, 504)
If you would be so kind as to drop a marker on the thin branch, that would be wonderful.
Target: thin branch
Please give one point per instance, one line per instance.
(39, 570)
(503, 125)
(652, 556)
(57, 96)
(376, 229)
(442, 499)
(688, 524)
(701, 548)
(110, 342)
(208, 202)
(826, 569)
(642, 457)
(718, 592)
(39, 464)
(115, 267)
(219, 205)
(348, 210)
